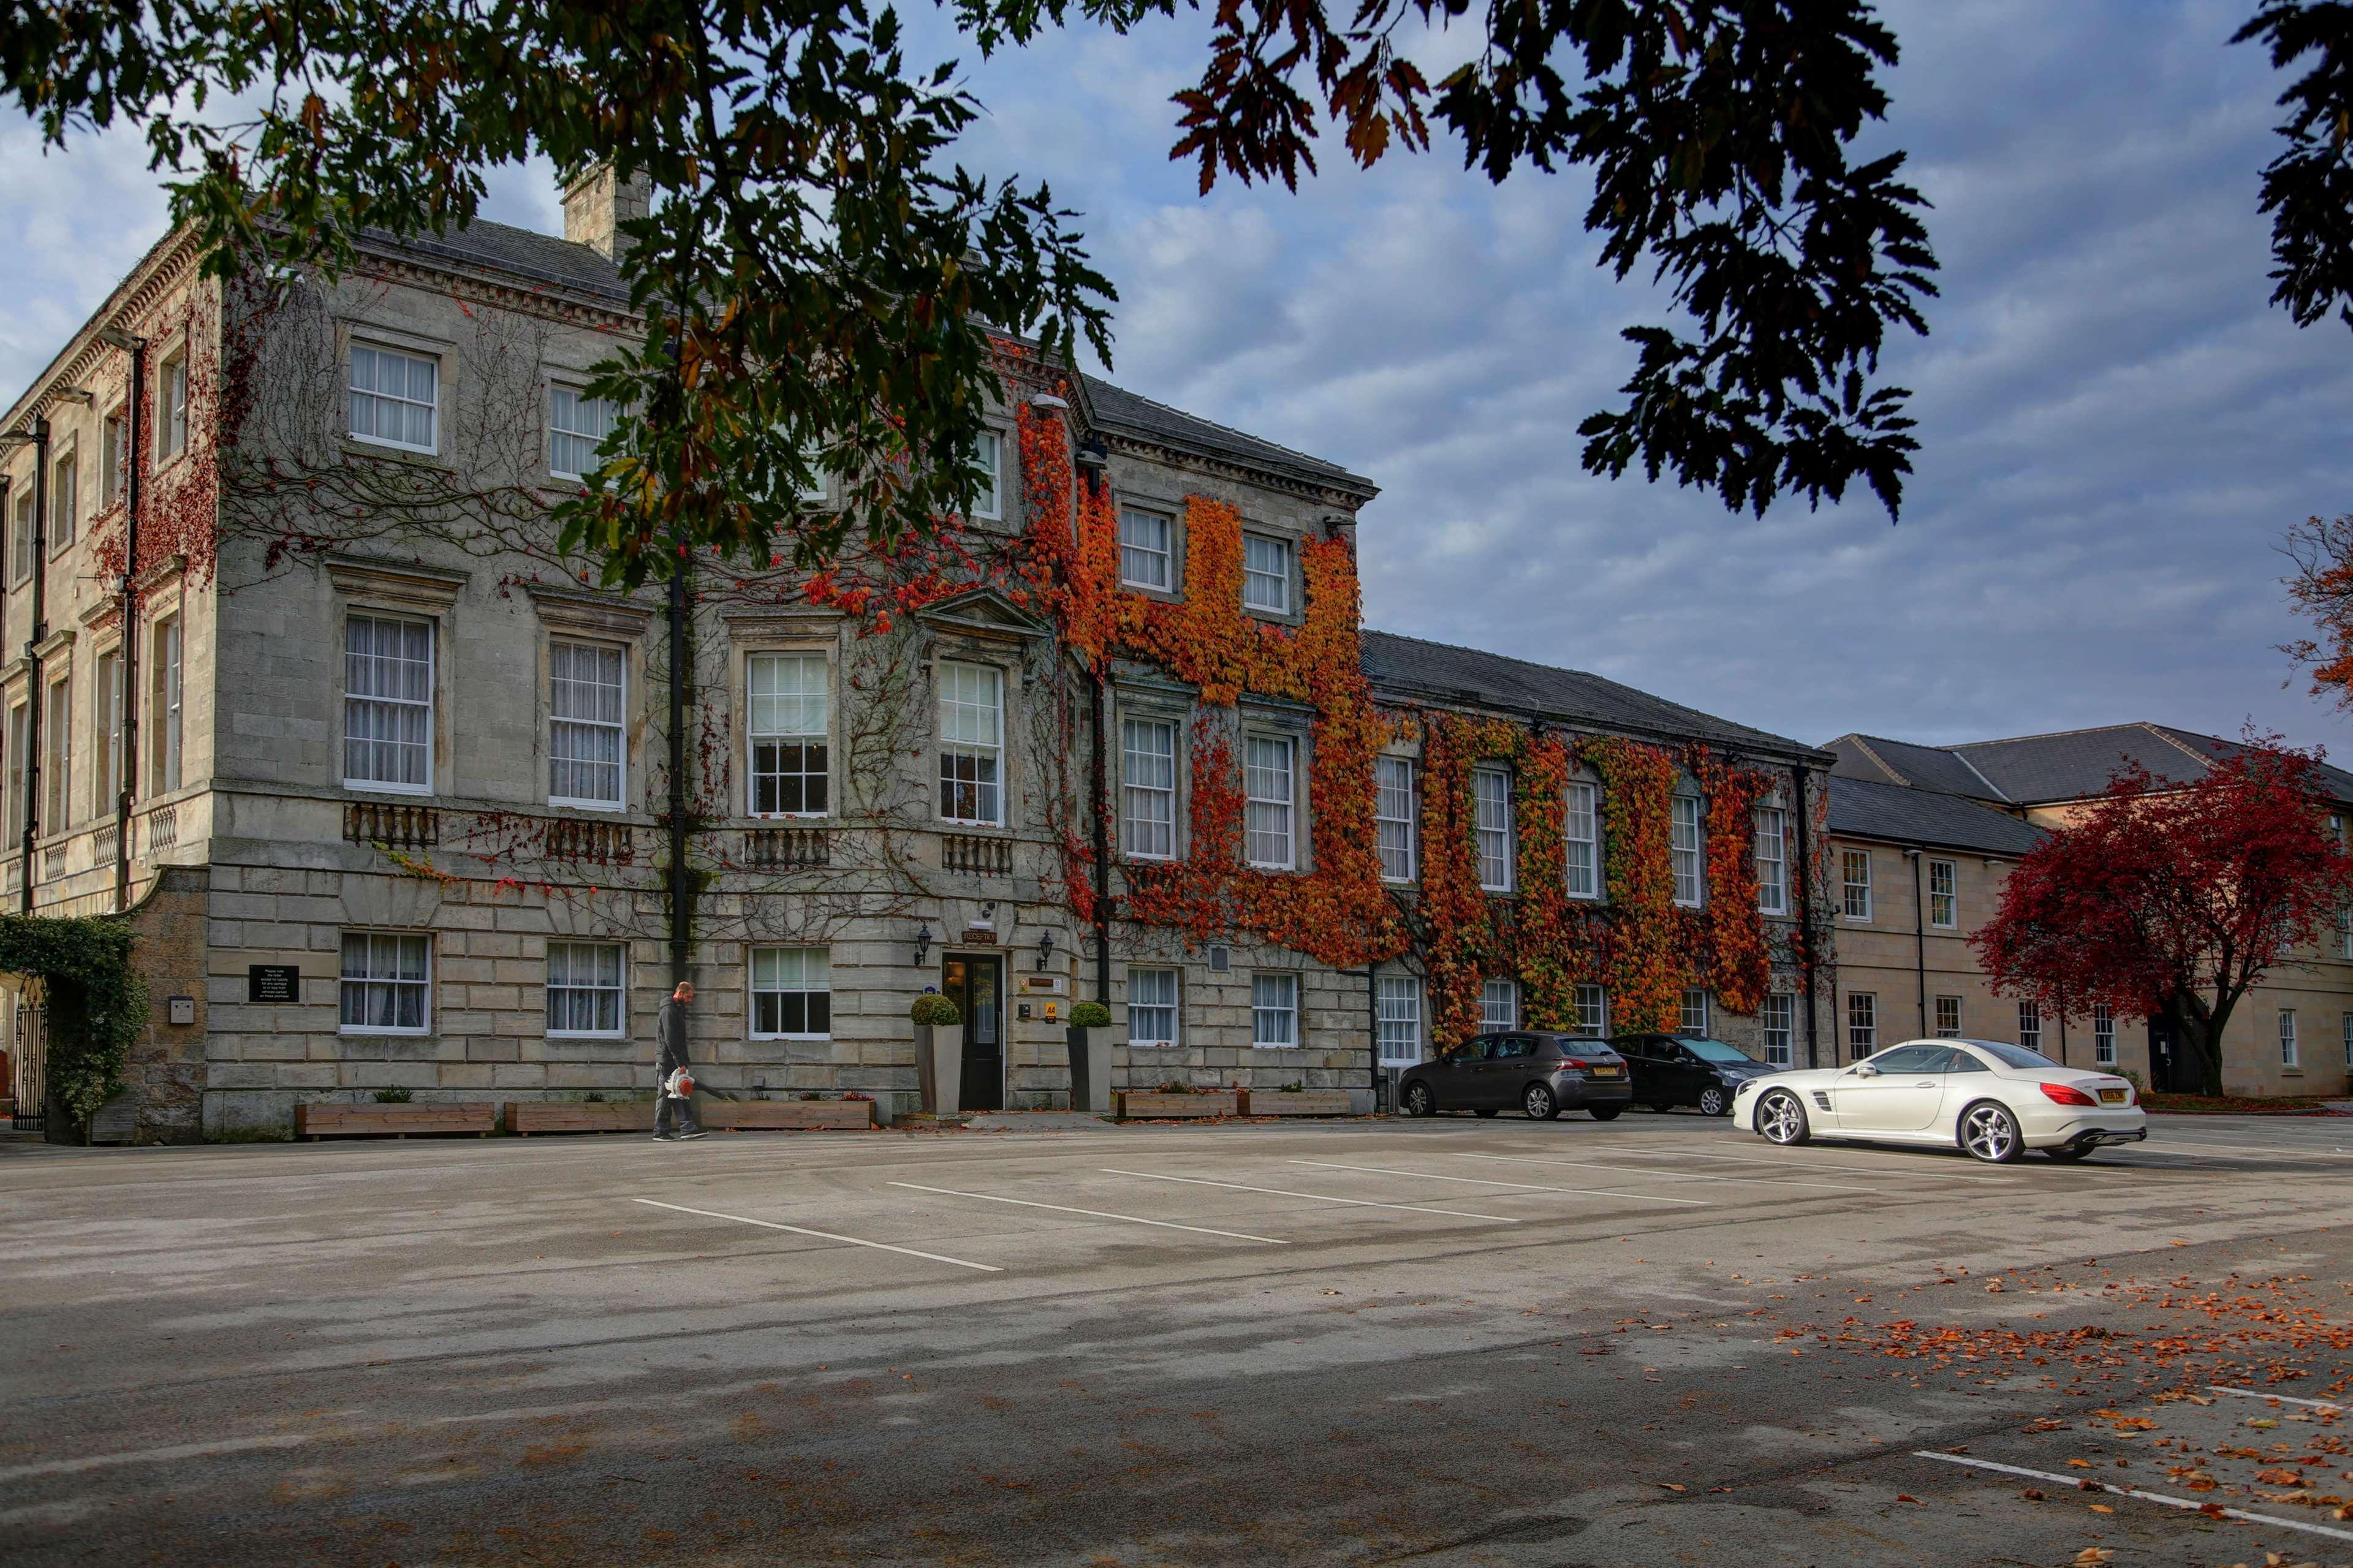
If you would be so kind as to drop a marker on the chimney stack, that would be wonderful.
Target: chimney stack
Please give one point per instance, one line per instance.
(597, 204)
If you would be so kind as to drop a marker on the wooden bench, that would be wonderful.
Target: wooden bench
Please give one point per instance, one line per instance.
(785, 1115)
(525, 1117)
(331, 1120)
(1134, 1105)
(1297, 1102)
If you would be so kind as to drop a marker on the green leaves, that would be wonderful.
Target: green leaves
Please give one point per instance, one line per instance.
(2308, 187)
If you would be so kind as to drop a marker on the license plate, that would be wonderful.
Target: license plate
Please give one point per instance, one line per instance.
(1607, 1072)
(2113, 1096)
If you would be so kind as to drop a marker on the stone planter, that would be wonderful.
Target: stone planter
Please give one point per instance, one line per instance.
(939, 1067)
(327, 1121)
(785, 1115)
(526, 1117)
(1297, 1102)
(1138, 1105)
(1089, 1070)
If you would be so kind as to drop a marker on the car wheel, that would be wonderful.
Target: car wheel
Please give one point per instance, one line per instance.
(1539, 1103)
(1490, 1111)
(1419, 1100)
(1604, 1112)
(1782, 1120)
(1714, 1101)
(1990, 1132)
(2069, 1154)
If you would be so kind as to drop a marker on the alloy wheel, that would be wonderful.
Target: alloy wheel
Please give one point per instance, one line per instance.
(1713, 1101)
(1989, 1133)
(1539, 1103)
(1781, 1121)
(1416, 1099)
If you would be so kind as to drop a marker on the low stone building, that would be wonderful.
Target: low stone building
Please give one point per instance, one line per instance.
(404, 790)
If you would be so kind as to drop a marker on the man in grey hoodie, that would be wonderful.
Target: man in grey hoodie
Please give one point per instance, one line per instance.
(673, 1117)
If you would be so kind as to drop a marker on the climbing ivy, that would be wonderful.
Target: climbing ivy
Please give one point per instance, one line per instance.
(97, 1004)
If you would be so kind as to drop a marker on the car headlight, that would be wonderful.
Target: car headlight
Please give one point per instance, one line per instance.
(1745, 1086)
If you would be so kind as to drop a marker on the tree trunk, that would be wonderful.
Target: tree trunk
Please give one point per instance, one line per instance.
(2198, 1034)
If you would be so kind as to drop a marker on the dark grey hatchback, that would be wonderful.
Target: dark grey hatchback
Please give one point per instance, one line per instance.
(1541, 1074)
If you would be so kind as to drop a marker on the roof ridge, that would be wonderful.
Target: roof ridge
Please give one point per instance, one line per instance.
(2051, 735)
(2158, 731)
(1863, 744)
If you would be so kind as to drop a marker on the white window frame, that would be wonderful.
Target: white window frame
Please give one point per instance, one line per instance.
(1580, 830)
(430, 704)
(2345, 931)
(57, 767)
(2104, 1035)
(395, 981)
(1852, 892)
(797, 701)
(598, 991)
(65, 496)
(166, 643)
(1592, 1003)
(1691, 1012)
(172, 406)
(1269, 991)
(1945, 903)
(987, 795)
(1144, 553)
(1147, 777)
(20, 731)
(353, 391)
(617, 727)
(1861, 1024)
(1499, 1005)
(1772, 860)
(1397, 1009)
(1255, 578)
(989, 454)
(2345, 1028)
(1778, 1018)
(2291, 1050)
(20, 535)
(1688, 847)
(754, 990)
(113, 433)
(1152, 977)
(1944, 1030)
(1270, 819)
(2030, 1025)
(106, 731)
(593, 419)
(1491, 804)
(1397, 813)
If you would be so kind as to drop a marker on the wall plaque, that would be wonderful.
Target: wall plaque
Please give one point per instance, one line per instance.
(274, 983)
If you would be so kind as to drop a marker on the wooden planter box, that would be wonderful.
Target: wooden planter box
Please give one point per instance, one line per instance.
(526, 1117)
(785, 1115)
(1138, 1105)
(315, 1122)
(1297, 1102)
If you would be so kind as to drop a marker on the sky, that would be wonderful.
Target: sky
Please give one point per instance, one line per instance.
(2117, 427)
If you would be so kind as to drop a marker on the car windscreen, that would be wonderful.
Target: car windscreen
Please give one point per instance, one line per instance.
(1714, 1051)
(2013, 1056)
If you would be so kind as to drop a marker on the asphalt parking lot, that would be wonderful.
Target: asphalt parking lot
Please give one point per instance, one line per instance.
(1453, 1342)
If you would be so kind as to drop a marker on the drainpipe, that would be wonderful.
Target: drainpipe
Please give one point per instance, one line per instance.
(1919, 940)
(1373, 1030)
(681, 934)
(34, 631)
(1102, 844)
(129, 715)
(1806, 905)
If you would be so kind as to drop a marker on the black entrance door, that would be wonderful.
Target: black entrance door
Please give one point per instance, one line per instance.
(2170, 1070)
(974, 983)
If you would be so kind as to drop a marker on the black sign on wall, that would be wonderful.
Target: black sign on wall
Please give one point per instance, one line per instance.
(274, 983)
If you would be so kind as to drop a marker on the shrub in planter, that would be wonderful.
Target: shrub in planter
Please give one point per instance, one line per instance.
(939, 1052)
(393, 1097)
(934, 1011)
(1090, 1016)
(1089, 1039)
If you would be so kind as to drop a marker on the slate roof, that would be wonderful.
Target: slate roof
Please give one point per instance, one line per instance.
(1862, 809)
(527, 253)
(1410, 666)
(2042, 770)
(1116, 408)
(1882, 761)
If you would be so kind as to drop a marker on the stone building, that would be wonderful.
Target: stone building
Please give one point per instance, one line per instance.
(403, 784)
(1921, 839)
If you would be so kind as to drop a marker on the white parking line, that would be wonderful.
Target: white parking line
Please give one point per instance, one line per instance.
(1319, 1197)
(820, 1234)
(1523, 1186)
(1811, 1165)
(2255, 1150)
(1679, 1175)
(2071, 1482)
(2283, 1399)
(1098, 1214)
(150, 1456)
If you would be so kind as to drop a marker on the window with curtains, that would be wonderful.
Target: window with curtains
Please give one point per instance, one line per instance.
(106, 731)
(1691, 1012)
(792, 994)
(1777, 1020)
(1861, 1024)
(1146, 553)
(1592, 1013)
(163, 737)
(788, 731)
(396, 398)
(1267, 790)
(1499, 1005)
(1274, 1010)
(584, 989)
(1151, 1006)
(1854, 884)
(972, 743)
(1772, 860)
(1396, 1000)
(1691, 871)
(1944, 899)
(387, 704)
(2345, 931)
(584, 747)
(388, 982)
(1148, 789)
(1394, 813)
(2104, 1034)
(56, 763)
(2030, 1025)
(577, 425)
(1491, 793)
(1266, 573)
(987, 455)
(1581, 828)
(172, 406)
(2344, 1029)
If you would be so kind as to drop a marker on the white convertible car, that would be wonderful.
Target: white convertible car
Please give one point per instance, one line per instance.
(1993, 1099)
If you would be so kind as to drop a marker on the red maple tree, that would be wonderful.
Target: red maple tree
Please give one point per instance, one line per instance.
(2166, 901)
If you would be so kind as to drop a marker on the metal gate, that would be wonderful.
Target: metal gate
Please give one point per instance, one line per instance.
(30, 1057)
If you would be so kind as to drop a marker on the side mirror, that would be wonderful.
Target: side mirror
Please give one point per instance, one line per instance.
(1866, 1070)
